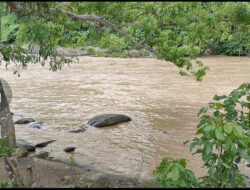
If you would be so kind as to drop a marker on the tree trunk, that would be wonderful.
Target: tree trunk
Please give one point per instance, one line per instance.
(6, 120)
(7, 130)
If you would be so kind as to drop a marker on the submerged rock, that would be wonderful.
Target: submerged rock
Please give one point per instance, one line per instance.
(69, 149)
(36, 125)
(43, 154)
(43, 144)
(22, 152)
(104, 120)
(20, 143)
(24, 121)
(77, 130)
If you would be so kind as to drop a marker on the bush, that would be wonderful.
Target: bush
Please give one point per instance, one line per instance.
(173, 173)
(223, 140)
(9, 28)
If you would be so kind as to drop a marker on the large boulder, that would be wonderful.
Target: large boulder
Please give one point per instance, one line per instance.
(20, 143)
(104, 120)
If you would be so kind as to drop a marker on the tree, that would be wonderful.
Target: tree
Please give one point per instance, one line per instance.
(173, 31)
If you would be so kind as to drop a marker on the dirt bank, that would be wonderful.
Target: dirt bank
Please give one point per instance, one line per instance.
(57, 174)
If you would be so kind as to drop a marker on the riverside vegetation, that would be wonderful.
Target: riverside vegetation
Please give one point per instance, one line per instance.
(173, 31)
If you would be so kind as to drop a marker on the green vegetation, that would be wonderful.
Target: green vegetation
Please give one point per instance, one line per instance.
(5, 150)
(172, 31)
(5, 147)
(223, 140)
(173, 173)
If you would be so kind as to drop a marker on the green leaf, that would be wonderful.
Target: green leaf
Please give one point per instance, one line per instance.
(175, 173)
(208, 128)
(219, 133)
(225, 165)
(217, 98)
(192, 145)
(228, 128)
(183, 162)
(238, 131)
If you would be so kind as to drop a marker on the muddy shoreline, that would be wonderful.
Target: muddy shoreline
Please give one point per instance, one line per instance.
(56, 173)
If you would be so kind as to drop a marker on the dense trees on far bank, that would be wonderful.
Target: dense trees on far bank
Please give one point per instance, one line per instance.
(173, 31)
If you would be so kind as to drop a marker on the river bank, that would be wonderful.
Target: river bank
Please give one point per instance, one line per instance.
(57, 174)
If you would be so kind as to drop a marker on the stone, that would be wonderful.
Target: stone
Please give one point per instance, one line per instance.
(43, 154)
(69, 149)
(21, 152)
(43, 144)
(77, 130)
(104, 120)
(35, 125)
(24, 121)
(20, 143)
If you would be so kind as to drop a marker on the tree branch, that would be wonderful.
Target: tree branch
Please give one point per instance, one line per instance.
(105, 23)
(94, 18)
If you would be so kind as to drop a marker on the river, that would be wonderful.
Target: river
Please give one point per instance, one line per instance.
(162, 104)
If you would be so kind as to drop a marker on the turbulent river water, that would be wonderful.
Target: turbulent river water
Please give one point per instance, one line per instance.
(162, 104)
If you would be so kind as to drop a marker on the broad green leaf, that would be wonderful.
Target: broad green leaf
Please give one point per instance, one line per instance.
(208, 128)
(175, 173)
(219, 133)
(228, 128)
(238, 131)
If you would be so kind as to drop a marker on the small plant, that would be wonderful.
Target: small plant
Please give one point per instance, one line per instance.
(5, 184)
(173, 173)
(5, 148)
(88, 183)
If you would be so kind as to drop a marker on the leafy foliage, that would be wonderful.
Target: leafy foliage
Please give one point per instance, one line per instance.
(8, 28)
(5, 148)
(173, 173)
(223, 140)
(173, 31)
(225, 137)
(5, 184)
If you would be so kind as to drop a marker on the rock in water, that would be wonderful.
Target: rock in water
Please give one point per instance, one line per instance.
(43, 144)
(24, 121)
(43, 154)
(77, 130)
(25, 144)
(69, 149)
(22, 152)
(36, 125)
(104, 120)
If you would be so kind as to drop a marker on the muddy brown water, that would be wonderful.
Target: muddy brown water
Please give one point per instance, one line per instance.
(162, 104)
